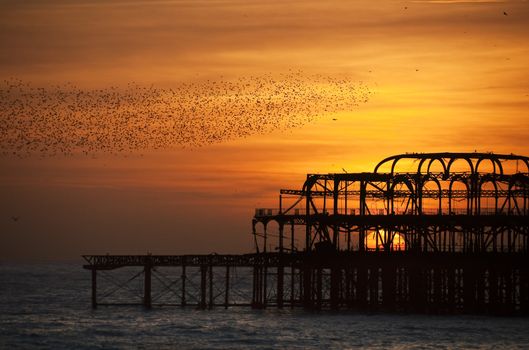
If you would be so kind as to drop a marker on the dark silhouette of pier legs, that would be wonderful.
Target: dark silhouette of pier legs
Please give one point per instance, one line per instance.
(363, 281)
(147, 301)
(493, 290)
(280, 285)
(361, 287)
(307, 287)
(259, 287)
(524, 291)
(184, 277)
(292, 286)
(203, 277)
(319, 286)
(336, 287)
(211, 296)
(94, 288)
(417, 289)
(388, 287)
(227, 287)
(265, 286)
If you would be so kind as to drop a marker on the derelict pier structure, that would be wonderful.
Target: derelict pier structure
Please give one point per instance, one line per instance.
(435, 233)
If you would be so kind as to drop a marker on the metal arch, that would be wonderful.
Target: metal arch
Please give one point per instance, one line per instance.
(402, 179)
(395, 159)
(420, 165)
(453, 156)
(453, 159)
(264, 221)
(488, 178)
(494, 161)
(492, 178)
(427, 178)
(526, 161)
(430, 161)
(458, 178)
(307, 185)
(254, 233)
(445, 172)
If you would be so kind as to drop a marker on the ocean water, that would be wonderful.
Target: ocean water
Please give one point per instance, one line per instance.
(47, 306)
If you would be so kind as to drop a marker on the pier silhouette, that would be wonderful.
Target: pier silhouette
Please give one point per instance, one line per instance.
(424, 232)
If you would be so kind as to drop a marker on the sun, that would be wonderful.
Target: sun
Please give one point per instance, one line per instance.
(398, 242)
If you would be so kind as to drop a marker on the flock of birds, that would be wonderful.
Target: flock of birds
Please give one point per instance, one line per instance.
(67, 120)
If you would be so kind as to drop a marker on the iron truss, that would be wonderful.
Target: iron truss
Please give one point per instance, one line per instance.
(443, 202)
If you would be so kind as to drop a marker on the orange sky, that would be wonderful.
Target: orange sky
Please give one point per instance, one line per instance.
(446, 76)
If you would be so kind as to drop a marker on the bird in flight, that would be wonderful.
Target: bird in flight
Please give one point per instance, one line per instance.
(15, 218)
(66, 120)
(505, 13)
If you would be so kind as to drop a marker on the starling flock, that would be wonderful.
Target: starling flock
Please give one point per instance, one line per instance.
(64, 120)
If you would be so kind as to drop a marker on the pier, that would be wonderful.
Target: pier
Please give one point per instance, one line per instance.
(434, 233)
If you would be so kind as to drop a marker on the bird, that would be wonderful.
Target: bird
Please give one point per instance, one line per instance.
(505, 13)
(345, 171)
(15, 218)
(334, 119)
(65, 120)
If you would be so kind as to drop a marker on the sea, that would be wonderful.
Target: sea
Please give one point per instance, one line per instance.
(47, 306)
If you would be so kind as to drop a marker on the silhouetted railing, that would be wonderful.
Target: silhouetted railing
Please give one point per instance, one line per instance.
(271, 212)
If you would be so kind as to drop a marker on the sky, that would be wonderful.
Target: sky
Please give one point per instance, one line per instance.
(442, 76)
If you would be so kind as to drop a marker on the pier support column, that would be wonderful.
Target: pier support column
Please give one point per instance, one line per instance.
(493, 290)
(361, 286)
(203, 275)
(227, 286)
(348, 296)
(469, 289)
(183, 297)
(257, 300)
(451, 289)
(388, 286)
(509, 289)
(292, 268)
(417, 283)
(94, 288)
(254, 286)
(280, 270)
(480, 290)
(147, 286)
(280, 286)
(307, 287)
(265, 286)
(211, 296)
(374, 277)
(336, 284)
(319, 287)
(524, 290)
(437, 290)
(292, 285)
